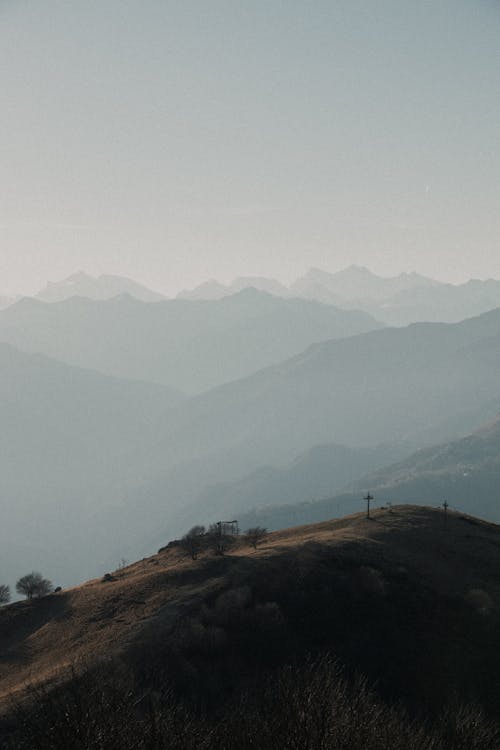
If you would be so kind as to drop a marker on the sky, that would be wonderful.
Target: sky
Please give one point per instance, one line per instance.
(178, 141)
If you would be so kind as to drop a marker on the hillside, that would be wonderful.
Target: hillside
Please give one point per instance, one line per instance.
(123, 469)
(417, 607)
(66, 437)
(394, 385)
(317, 473)
(422, 384)
(465, 473)
(192, 346)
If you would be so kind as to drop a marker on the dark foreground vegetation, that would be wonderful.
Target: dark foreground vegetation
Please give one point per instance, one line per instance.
(311, 706)
(388, 639)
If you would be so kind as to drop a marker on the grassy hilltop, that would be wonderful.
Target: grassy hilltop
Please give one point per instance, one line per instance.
(407, 600)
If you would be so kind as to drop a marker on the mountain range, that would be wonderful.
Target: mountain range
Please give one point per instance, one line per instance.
(125, 420)
(188, 345)
(396, 301)
(81, 284)
(212, 290)
(402, 387)
(464, 473)
(95, 467)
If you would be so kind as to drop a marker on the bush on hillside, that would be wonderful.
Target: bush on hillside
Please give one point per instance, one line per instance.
(33, 585)
(310, 705)
(194, 541)
(255, 535)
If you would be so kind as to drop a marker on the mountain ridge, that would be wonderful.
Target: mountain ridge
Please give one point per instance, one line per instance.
(465, 472)
(407, 572)
(397, 300)
(105, 286)
(188, 345)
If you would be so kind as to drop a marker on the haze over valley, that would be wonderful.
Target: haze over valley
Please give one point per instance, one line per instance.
(249, 375)
(127, 419)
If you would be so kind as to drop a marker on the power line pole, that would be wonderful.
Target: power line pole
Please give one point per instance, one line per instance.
(368, 497)
(445, 506)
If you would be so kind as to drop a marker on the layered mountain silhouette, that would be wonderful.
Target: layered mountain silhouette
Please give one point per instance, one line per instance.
(81, 284)
(397, 300)
(394, 384)
(96, 467)
(188, 345)
(317, 473)
(211, 290)
(464, 473)
(418, 385)
(357, 282)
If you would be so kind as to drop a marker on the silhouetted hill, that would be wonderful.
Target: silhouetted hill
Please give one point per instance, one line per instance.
(422, 384)
(115, 466)
(392, 384)
(465, 473)
(188, 345)
(318, 473)
(403, 600)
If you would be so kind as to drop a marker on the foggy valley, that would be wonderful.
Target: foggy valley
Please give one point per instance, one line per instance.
(249, 375)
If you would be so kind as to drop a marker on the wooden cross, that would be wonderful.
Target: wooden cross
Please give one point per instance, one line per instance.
(368, 497)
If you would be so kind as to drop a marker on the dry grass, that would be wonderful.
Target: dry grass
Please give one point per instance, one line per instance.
(40, 638)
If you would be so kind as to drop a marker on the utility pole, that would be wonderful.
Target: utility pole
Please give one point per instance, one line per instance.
(445, 506)
(368, 497)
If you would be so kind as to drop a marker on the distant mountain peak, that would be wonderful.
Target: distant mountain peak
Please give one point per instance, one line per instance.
(75, 278)
(208, 290)
(214, 290)
(359, 270)
(106, 286)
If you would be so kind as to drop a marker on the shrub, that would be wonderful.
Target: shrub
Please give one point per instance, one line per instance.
(255, 535)
(193, 541)
(33, 584)
(219, 542)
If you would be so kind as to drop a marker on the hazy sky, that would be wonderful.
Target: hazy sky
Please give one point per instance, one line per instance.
(175, 141)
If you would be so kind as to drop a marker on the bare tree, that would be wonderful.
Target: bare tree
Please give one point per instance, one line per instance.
(121, 567)
(218, 539)
(4, 594)
(255, 535)
(33, 584)
(193, 541)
